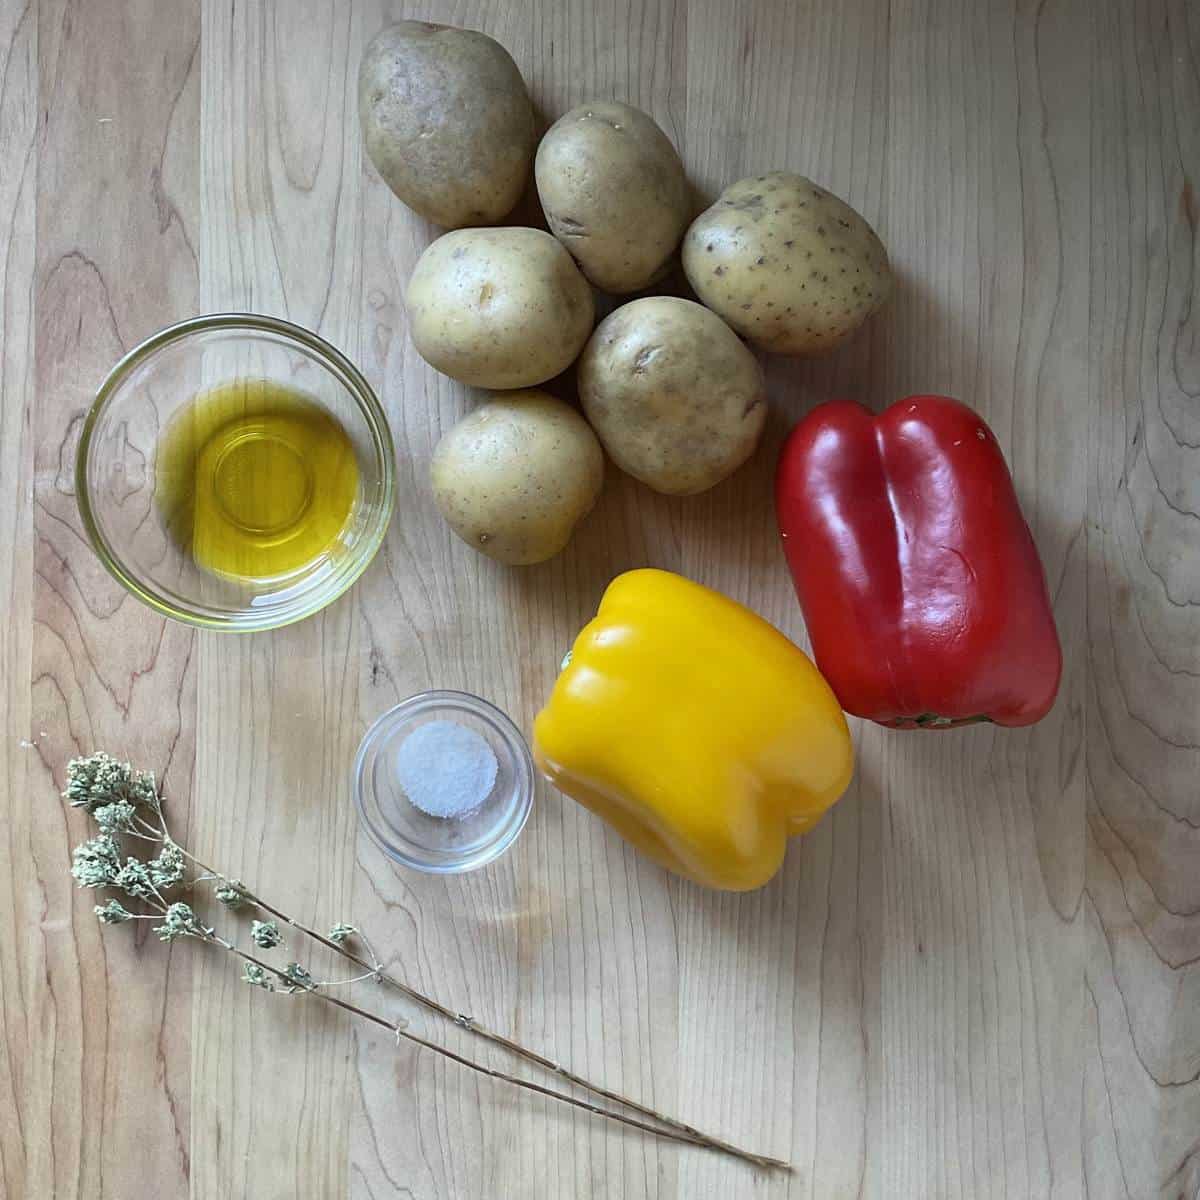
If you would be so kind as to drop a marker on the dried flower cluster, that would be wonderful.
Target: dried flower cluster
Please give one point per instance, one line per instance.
(127, 808)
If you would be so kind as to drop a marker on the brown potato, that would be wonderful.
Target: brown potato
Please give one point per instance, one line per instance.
(676, 398)
(614, 193)
(515, 476)
(499, 308)
(447, 121)
(786, 264)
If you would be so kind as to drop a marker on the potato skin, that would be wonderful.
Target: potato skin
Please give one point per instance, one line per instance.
(515, 476)
(786, 264)
(499, 308)
(677, 400)
(614, 192)
(447, 121)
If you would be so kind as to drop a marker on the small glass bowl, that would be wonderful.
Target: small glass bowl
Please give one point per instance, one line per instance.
(116, 481)
(442, 845)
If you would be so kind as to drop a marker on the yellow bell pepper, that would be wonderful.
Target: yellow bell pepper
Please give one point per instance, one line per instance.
(695, 729)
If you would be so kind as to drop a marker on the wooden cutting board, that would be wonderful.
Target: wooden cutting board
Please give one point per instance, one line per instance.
(980, 977)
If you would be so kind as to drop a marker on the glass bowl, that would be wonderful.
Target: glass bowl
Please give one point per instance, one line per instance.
(116, 470)
(442, 845)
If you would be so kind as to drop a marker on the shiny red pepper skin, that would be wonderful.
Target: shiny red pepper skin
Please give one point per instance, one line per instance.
(921, 587)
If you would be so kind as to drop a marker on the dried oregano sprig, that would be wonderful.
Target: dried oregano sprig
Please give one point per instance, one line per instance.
(125, 803)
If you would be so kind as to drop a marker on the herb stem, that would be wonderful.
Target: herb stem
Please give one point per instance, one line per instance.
(475, 1027)
(680, 1130)
(471, 1064)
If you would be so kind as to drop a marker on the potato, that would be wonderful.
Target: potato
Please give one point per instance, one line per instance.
(788, 265)
(499, 308)
(676, 398)
(447, 121)
(514, 477)
(614, 193)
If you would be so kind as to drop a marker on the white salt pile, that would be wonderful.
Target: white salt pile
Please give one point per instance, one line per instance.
(446, 769)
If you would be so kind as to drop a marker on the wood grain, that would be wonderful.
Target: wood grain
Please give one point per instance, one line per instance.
(979, 977)
(280, 235)
(22, 1072)
(1142, 903)
(117, 153)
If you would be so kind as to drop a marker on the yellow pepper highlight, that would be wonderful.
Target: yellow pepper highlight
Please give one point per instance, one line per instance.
(696, 729)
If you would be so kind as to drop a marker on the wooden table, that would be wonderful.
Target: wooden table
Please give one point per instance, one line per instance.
(979, 977)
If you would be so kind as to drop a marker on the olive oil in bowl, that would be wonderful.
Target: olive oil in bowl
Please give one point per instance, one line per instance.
(256, 481)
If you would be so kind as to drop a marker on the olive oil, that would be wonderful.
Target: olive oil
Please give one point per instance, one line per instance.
(255, 480)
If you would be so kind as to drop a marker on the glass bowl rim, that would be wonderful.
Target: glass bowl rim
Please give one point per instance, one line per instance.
(346, 373)
(491, 715)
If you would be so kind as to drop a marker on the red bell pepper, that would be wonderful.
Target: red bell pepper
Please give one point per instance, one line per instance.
(922, 589)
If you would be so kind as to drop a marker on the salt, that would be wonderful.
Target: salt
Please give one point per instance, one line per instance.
(445, 769)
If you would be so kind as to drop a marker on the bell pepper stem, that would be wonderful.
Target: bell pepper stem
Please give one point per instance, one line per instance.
(936, 721)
